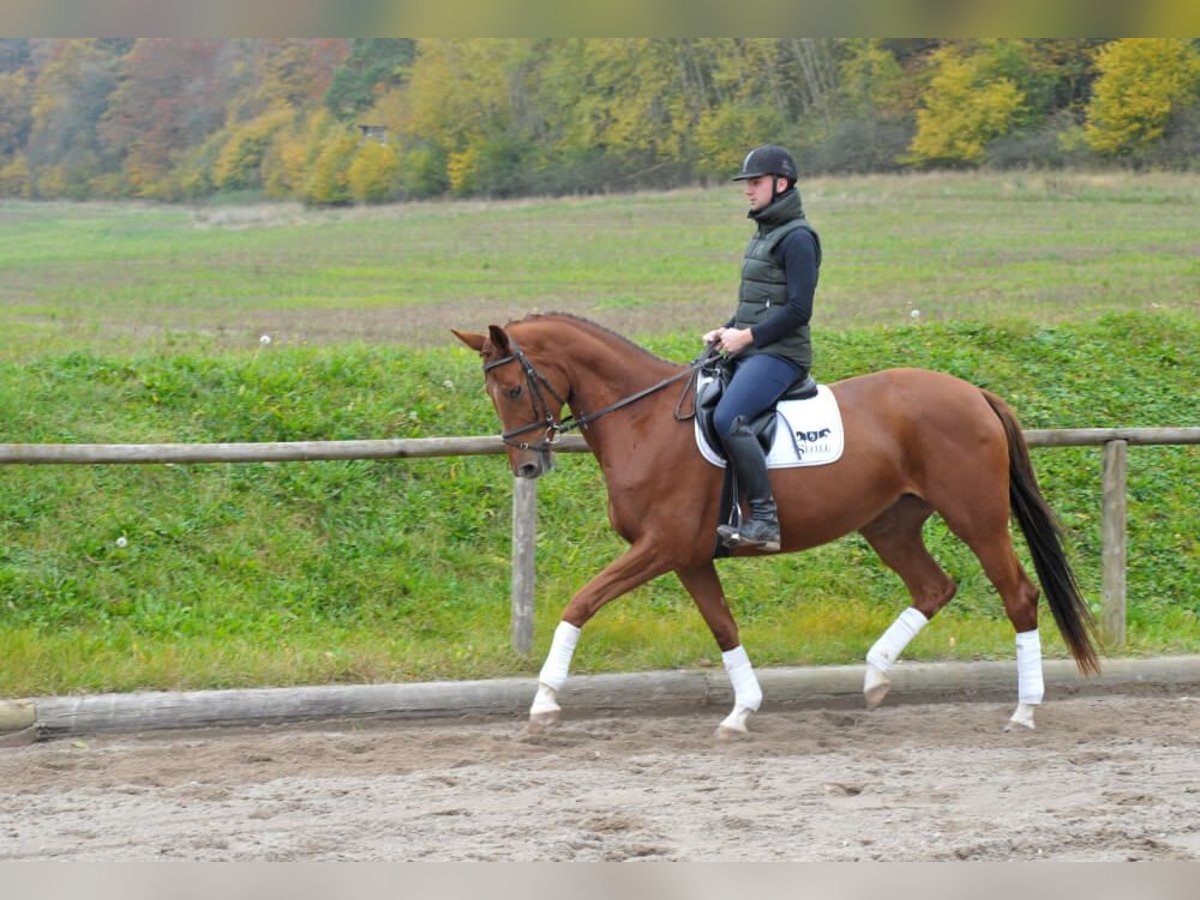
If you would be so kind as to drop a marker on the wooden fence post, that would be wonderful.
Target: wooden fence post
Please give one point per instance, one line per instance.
(1113, 544)
(524, 538)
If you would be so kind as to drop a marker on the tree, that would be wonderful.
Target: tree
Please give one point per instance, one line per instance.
(294, 72)
(372, 175)
(16, 112)
(963, 108)
(15, 178)
(171, 96)
(872, 81)
(474, 100)
(239, 165)
(328, 182)
(70, 95)
(373, 67)
(1142, 82)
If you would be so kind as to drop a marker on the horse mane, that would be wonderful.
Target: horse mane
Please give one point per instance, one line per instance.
(593, 328)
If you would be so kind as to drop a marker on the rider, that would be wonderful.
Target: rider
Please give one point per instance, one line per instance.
(767, 338)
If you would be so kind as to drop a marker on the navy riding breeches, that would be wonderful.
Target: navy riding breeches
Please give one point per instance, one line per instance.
(758, 381)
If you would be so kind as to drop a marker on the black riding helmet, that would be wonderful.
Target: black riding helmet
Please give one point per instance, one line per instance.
(769, 159)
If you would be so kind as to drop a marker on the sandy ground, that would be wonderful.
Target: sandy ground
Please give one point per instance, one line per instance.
(1113, 777)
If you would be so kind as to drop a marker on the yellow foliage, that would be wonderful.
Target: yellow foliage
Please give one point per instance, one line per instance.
(962, 110)
(372, 174)
(461, 170)
(1141, 81)
(287, 165)
(871, 77)
(16, 179)
(240, 162)
(328, 183)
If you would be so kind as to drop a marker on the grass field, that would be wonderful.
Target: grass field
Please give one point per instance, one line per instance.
(1076, 297)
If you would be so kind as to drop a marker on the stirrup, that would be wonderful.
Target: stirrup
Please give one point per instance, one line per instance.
(751, 533)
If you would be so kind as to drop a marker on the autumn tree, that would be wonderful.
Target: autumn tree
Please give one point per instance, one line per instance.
(373, 67)
(1142, 82)
(171, 96)
(239, 165)
(328, 182)
(70, 95)
(373, 173)
(965, 106)
(279, 72)
(16, 112)
(182, 118)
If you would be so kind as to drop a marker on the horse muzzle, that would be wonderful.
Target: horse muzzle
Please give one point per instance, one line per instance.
(533, 464)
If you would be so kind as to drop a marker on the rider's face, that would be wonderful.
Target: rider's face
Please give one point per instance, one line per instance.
(758, 190)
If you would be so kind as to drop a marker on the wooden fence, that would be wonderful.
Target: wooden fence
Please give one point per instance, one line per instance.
(1115, 442)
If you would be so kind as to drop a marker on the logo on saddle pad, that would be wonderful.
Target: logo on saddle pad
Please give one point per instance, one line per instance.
(809, 434)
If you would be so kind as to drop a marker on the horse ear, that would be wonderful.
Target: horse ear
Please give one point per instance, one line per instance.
(474, 341)
(499, 338)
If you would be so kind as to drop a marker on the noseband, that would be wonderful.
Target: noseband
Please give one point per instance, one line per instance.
(543, 418)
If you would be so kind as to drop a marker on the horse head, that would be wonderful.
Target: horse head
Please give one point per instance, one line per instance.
(527, 402)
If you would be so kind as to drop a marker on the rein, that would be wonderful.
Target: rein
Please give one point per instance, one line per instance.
(541, 409)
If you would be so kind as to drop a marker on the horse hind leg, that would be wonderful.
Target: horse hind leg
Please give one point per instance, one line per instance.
(896, 536)
(986, 532)
(1020, 597)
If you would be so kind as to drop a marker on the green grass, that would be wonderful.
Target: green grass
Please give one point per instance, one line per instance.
(1046, 247)
(1074, 298)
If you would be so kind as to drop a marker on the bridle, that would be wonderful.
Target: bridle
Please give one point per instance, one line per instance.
(535, 381)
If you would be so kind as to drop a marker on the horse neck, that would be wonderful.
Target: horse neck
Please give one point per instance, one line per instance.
(608, 378)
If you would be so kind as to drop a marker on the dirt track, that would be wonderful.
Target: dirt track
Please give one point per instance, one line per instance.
(1103, 778)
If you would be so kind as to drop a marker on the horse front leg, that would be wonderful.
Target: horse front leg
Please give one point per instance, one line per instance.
(703, 583)
(634, 567)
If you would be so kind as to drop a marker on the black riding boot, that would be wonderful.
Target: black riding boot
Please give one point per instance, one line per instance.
(746, 455)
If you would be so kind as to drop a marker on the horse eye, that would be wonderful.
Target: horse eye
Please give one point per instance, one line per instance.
(514, 392)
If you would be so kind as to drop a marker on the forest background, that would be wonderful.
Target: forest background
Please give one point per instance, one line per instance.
(372, 120)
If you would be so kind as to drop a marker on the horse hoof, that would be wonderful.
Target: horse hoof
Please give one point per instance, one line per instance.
(543, 721)
(731, 734)
(734, 724)
(875, 686)
(1022, 718)
(544, 711)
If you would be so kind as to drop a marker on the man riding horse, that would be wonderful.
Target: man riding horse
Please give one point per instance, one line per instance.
(767, 338)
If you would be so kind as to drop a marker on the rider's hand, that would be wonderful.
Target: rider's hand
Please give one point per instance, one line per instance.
(734, 340)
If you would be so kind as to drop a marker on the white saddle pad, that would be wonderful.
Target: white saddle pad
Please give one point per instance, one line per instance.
(810, 434)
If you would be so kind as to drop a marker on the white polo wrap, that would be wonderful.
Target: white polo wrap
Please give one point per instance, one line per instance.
(746, 691)
(1030, 686)
(891, 644)
(558, 660)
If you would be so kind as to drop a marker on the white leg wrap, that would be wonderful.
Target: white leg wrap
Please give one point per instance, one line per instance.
(1030, 686)
(747, 693)
(558, 660)
(891, 644)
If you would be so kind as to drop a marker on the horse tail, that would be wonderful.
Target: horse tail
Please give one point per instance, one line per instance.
(1043, 533)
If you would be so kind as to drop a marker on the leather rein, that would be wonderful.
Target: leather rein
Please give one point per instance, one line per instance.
(543, 418)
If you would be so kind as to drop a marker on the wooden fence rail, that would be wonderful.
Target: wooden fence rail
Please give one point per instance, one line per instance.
(1115, 442)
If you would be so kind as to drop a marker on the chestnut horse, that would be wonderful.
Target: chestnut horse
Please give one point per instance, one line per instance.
(916, 442)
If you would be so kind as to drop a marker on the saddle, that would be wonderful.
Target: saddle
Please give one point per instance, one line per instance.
(762, 426)
(712, 383)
